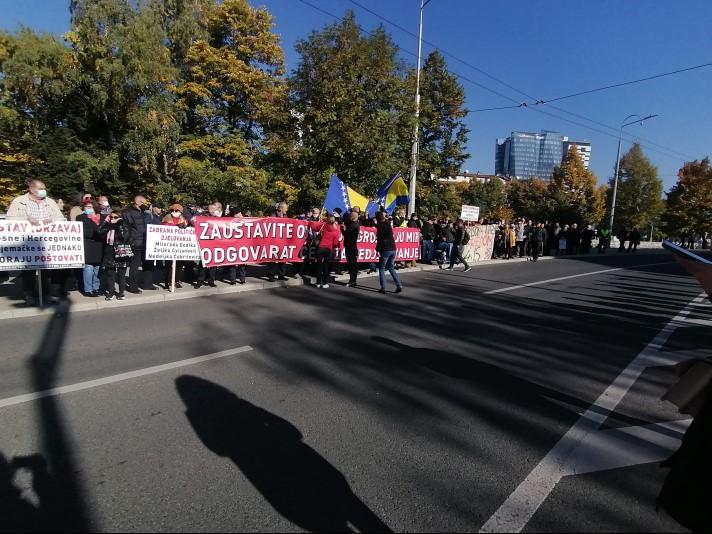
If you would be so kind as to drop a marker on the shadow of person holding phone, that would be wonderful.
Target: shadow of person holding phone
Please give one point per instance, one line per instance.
(298, 482)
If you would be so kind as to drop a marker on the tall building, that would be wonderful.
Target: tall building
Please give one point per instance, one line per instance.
(526, 155)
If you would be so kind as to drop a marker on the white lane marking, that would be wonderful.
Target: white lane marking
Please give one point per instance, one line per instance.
(29, 397)
(522, 504)
(521, 286)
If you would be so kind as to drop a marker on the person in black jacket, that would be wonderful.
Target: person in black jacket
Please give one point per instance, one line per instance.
(90, 219)
(633, 240)
(386, 247)
(458, 246)
(351, 231)
(114, 237)
(134, 220)
(427, 232)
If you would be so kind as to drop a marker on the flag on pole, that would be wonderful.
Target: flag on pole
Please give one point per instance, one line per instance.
(339, 195)
(393, 193)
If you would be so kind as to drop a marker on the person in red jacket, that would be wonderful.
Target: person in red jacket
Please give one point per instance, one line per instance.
(330, 238)
(175, 217)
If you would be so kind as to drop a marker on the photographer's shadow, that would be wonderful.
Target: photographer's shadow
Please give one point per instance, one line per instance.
(300, 484)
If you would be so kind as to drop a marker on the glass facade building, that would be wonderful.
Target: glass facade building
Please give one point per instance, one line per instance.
(527, 155)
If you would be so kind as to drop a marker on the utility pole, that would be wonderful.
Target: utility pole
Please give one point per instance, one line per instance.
(414, 152)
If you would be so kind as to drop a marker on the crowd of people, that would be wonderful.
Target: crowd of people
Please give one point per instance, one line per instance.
(115, 244)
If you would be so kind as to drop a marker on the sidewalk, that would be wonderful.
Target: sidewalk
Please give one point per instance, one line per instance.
(12, 306)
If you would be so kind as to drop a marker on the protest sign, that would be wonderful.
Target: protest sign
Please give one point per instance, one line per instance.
(25, 247)
(470, 213)
(171, 243)
(225, 241)
(407, 245)
(481, 243)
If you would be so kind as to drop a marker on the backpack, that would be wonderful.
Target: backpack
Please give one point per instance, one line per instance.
(466, 238)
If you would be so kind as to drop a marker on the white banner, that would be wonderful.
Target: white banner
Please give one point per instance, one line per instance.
(171, 243)
(24, 247)
(470, 213)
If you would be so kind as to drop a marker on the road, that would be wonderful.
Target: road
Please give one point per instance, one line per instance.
(514, 397)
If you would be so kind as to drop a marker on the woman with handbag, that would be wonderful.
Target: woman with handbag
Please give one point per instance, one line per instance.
(327, 241)
(117, 254)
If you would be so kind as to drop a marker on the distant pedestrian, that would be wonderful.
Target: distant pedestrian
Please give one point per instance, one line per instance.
(633, 240)
(462, 238)
(386, 247)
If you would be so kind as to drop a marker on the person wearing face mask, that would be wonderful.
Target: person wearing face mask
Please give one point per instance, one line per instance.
(78, 205)
(104, 205)
(175, 218)
(36, 208)
(280, 269)
(135, 221)
(93, 248)
(214, 210)
(116, 258)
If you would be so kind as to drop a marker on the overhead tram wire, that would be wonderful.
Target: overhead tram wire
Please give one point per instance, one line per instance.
(517, 103)
(535, 101)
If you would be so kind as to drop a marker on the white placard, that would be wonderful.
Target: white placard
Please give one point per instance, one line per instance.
(26, 247)
(171, 243)
(470, 213)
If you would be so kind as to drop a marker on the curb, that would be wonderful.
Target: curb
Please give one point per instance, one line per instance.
(82, 304)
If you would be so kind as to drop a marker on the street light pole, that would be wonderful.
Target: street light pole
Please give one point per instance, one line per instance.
(618, 162)
(414, 152)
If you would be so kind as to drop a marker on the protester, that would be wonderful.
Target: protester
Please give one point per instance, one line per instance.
(572, 240)
(135, 221)
(563, 241)
(604, 239)
(175, 217)
(210, 273)
(78, 205)
(622, 238)
(462, 237)
(386, 247)
(327, 240)
(519, 229)
(538, 239)
(36, 208)
(427, 232)
(587, 237)
(93, 248)
(510, 240)
(104, 205)
(277, 268)
(352, 229)
(633, 240)
(117, 255)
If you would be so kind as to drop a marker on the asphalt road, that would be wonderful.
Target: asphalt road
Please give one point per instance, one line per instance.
(343, 408)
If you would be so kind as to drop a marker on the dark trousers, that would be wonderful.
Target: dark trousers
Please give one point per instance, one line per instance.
(207, 272)
(622, 247)
(352, 263)
(180, 265)
(632, 247)
(136, 275)
(537, 250)
(456, 255)
(109, 280)
(53, 282)
(323, 262)
(520, 248)
(279, 269)
(235, 271)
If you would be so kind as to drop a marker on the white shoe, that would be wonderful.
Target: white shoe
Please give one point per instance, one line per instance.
(325, 286)
(318, 285)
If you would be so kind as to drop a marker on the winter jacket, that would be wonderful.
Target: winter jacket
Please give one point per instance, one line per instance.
(427, 231)
(135, 223)
(385, 242)
(93, 249)
(351, 232)
(19, 208)
(121, 236)
(459, 236)
(330, 234)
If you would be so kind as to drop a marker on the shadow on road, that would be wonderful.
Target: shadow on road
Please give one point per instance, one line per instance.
(300, 484)
(59, 505)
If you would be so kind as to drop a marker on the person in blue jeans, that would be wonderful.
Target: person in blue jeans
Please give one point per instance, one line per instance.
(93, 248)
(386, 247)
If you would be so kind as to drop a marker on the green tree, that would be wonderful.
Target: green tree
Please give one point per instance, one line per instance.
(529, 199)
(688, 208)
(574, 193)
(443, 134)
(491, 197)
(352, 110)
(639, 200)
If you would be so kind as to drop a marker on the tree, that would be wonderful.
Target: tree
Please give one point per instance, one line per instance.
(352, 110)
(639, 198)
(491, 197)
(443, 134)
(529, 199)
(574, 193)
(689, 203)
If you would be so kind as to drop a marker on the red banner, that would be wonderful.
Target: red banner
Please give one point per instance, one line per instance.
(225, 241)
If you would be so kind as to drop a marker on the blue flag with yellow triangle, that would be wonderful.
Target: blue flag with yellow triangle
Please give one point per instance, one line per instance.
(339, 195)
(393, 193)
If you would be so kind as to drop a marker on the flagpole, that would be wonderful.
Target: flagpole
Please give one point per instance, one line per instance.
(414, 152)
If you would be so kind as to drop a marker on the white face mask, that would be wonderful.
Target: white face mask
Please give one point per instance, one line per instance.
(105, 203)
(41, 193)
(175, 214)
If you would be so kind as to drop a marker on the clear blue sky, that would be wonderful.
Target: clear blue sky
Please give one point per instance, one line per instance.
(544, 48)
